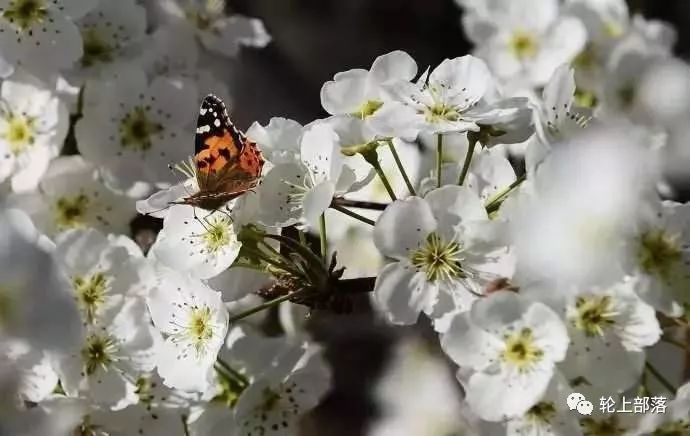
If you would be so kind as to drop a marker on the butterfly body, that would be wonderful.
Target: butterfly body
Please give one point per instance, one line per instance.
(226, 163)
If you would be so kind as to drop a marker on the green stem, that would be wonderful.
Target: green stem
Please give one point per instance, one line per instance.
(373, 158)
(352, 214)
(302, 237)
(241, 379)
(398, 162)
(323, 238)
(497, 199)
(663, 380)
(267, 305)
(302, 250)
(273, 262)
(439, 158)
(472, 142)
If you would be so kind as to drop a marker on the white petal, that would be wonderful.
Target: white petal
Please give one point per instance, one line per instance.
(453, 206)
(394, 65)
(469, 345)
(320, 152)
(461, 81)
(404, 227)
(401, 293)
(317, 200)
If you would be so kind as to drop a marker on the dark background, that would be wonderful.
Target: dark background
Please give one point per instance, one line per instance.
(312, 40)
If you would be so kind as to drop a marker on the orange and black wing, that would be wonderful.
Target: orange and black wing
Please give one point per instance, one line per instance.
(218, 143)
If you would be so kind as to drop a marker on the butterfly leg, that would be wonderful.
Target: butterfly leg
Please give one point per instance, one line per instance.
(204, 222)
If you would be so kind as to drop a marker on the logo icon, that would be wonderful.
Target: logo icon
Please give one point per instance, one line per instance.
(577, 401)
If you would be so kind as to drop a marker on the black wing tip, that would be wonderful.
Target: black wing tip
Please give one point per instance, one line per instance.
(214, 98)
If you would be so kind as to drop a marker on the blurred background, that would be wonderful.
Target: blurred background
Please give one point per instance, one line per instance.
(313, 40)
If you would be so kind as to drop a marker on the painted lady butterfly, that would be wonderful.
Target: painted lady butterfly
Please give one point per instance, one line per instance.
(226, 163)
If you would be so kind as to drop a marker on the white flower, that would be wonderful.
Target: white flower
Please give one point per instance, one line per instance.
(116, 348)
(511, 346)
(33, 126)
(71, 196)
(133, 129)
(109, 32)
(102, 272)
(458, 96)
(525, 41)
(36, 307)
(194, 320)
(217, 31)
(277, 398)
(301, 191)
(549, 416)
(203, 246)
(438, 247)
(589, 196)
(673, 421)
(660, 260)
(279, 139)
(606, 22)
(558, 120)
(169, 51)
(40, 35)
(359, 92)
(37, 379)
(609, 329)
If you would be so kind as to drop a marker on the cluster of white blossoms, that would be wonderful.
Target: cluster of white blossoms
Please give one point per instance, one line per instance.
(519, 200)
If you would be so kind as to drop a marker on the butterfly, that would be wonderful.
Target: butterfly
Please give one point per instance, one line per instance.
(226, 163)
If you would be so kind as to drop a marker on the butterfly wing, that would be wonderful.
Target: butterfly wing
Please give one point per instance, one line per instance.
(246, 173)
(218, 144)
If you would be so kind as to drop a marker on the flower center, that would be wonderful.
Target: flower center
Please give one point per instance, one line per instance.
(594, 314)
(99, 352)
(96, 50)
(440, 260)
(523, 45)
(25, 13)
(218, 235)
(542, 412)
(368, 108)
(199, 329)
(585, 99)
(70, 211)
(204, 16)
(658, 252)
(521, 350)
(136, 130)
(86, 428)
(90, 293)
(19, 133)
(613, 29)
(605, 427)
